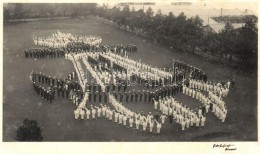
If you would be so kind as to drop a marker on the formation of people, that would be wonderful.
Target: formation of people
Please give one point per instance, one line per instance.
(46, 52)
(130, 119)
(60, 39)
(180, 117)
(179, 113)
(113, 73)
(195, 73)
(217, 105)
(48, 87)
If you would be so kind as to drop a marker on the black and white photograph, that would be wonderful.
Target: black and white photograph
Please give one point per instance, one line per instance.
(130, 71)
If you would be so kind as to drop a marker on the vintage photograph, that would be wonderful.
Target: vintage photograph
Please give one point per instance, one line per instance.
(144, 71)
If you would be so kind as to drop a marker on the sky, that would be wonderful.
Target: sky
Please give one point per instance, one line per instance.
(225, 4)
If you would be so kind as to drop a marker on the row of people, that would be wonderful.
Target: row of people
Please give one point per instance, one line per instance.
(212, 102)
(195, 73)
(137, 65)
(60, 39)
(46, 52)
(137, 121)
(46, 94)
(129, 71)
(67, 83)
(139, 118)
(143, 76)
(122, 49)
(217, 88)
(180, 113)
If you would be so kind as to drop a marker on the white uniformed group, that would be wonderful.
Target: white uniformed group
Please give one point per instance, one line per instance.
(136, 67)
(218, 89)
(59, 39)
(121, 115)
(180, 113)
(215, 92)
(132, 67)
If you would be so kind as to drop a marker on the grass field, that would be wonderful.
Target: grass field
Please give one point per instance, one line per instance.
(57, 120)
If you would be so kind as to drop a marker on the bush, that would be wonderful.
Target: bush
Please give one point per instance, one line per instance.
(29, 131)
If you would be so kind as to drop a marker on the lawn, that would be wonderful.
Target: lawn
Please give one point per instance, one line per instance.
(57, 120)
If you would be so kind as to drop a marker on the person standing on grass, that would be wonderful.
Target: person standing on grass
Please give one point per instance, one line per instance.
(87, 113)
(76, 113)
(116, 116)
(137, 122)
(124, 120)
(110, 115)
(93, 112)
(197, 120)
(163, 116)
(151, 125)
(158, 126)
(103, 110)
(155, 104)
(203, 119)
(144, 125)
(82, 113)
(98, 111)
(131, 120)
(183, 124)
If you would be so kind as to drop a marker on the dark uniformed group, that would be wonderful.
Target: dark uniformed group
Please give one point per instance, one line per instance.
(61, 87)
(45, 52)
(96, 95)
(120, 48)
(195, 73)
(77, 47)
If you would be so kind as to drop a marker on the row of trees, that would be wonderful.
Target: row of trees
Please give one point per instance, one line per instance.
(189, 34)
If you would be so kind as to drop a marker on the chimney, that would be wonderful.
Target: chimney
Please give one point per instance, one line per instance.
(221, 11)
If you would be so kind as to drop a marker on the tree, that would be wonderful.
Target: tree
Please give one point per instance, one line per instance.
(247, 43)
(18, 11)
(149, 12)
(195, 32)
(227, 38)
(7, 14)
(29, 131)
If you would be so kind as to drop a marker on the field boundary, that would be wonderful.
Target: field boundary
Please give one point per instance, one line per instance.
(36, 19)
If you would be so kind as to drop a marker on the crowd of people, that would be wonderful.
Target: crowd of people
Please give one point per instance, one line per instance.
(130, 71)
(127, 118)
(175, 111)
(59, 39)
(121, 112)
(65, 88)
(211, 102)
(119, 96)
(113, 72)
(46, 52)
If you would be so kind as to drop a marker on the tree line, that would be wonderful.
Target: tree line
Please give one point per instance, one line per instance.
(235, 46)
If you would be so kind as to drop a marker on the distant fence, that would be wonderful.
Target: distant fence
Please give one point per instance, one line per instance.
(37, 19)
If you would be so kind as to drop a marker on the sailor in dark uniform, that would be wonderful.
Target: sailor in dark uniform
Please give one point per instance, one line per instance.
(126, 97)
